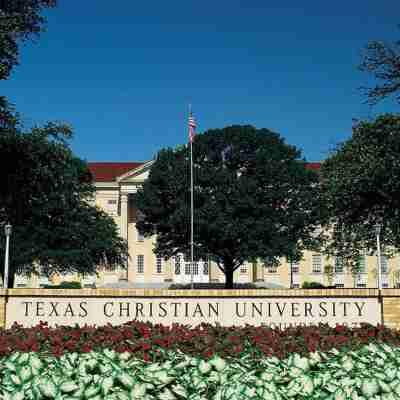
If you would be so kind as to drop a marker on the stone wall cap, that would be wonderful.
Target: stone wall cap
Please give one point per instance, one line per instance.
(113, 292)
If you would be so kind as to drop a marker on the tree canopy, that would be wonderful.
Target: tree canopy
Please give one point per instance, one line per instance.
(361, 188)
(382, 61)
(19, 21)
(253, 198)
(45, 194)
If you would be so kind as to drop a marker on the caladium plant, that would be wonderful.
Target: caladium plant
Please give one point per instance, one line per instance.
(107, 374)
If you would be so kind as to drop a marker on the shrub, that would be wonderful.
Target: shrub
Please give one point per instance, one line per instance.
(146, 339)
(64, 285)
(312, 285)
(213, 285)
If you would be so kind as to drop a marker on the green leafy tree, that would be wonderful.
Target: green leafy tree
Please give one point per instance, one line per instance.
(329, 272)
(45, 194)
(361, 188)
(20, 20)
(253, 197)
(382, 61)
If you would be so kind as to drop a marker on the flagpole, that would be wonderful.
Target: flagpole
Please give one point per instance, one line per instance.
(191, 209)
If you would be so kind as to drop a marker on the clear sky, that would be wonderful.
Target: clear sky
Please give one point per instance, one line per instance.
(123, 72)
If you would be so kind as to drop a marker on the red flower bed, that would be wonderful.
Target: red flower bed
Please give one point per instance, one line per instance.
(146, 340)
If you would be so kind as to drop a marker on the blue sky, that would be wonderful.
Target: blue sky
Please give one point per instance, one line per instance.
(122, 73)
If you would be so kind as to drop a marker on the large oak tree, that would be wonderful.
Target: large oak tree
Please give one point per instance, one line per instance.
(361, 188)
(45, 193)
(382, 61)
(20, 20)
(253, 198)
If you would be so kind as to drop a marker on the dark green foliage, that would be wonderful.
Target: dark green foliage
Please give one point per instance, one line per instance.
(361, 187)
(19, 21)
(214, 286)
(312, 285)
(382, 60)
(44, 193)
(64, 285)
(253, 198)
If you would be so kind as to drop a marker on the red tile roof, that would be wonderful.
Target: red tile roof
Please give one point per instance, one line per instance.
(110, 171)
(313, 165)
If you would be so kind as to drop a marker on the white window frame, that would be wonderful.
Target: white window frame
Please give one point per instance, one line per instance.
(318, 264)
(187, 268)
(295, 268)
(139, 236)
(384, 265)
(159, 265)
(206, 268)
(272, 269)
(339, 267)
(363, 265)
(140, 264)
(177, 265)
(195, 267)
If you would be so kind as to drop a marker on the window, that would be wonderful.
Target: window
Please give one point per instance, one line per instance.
(384, 265)
(339, 285)
(159, 265)
(361, 285)
(295, 268)
(295, 286)
(272, 269)
(139, 235)
(195, 268)
(140, 264)
(243, 269)
(112, 201)
(339, 265)
(177, 265)
(187, 267)
(385, 285)
(317, 263)
(361, 265)
(205, 268)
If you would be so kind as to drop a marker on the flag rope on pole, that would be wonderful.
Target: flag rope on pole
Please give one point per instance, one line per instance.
(192, 127)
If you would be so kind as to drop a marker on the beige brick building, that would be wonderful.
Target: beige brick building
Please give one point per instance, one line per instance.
(117, 182)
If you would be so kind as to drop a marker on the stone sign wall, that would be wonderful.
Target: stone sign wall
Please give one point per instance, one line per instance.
(236, 311)
(227, 307)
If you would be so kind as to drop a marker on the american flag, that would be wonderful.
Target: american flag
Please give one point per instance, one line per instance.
(192, 127)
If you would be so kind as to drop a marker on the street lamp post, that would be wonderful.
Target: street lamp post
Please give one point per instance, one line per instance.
(7, 232)
(378, 228)
(291, 274)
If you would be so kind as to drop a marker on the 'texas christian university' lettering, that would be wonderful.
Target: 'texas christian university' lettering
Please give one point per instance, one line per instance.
(225, 311)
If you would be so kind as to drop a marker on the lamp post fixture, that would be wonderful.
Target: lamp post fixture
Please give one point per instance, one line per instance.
(378, 228)
(7, 232)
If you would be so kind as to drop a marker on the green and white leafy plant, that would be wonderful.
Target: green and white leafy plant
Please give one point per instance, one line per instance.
(370, 373)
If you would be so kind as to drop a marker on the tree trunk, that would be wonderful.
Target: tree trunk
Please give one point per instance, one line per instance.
(228, 267)
(11, 276)
(11, 279)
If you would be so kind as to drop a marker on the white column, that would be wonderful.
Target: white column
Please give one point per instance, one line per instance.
(124, 221)
(124, 215)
